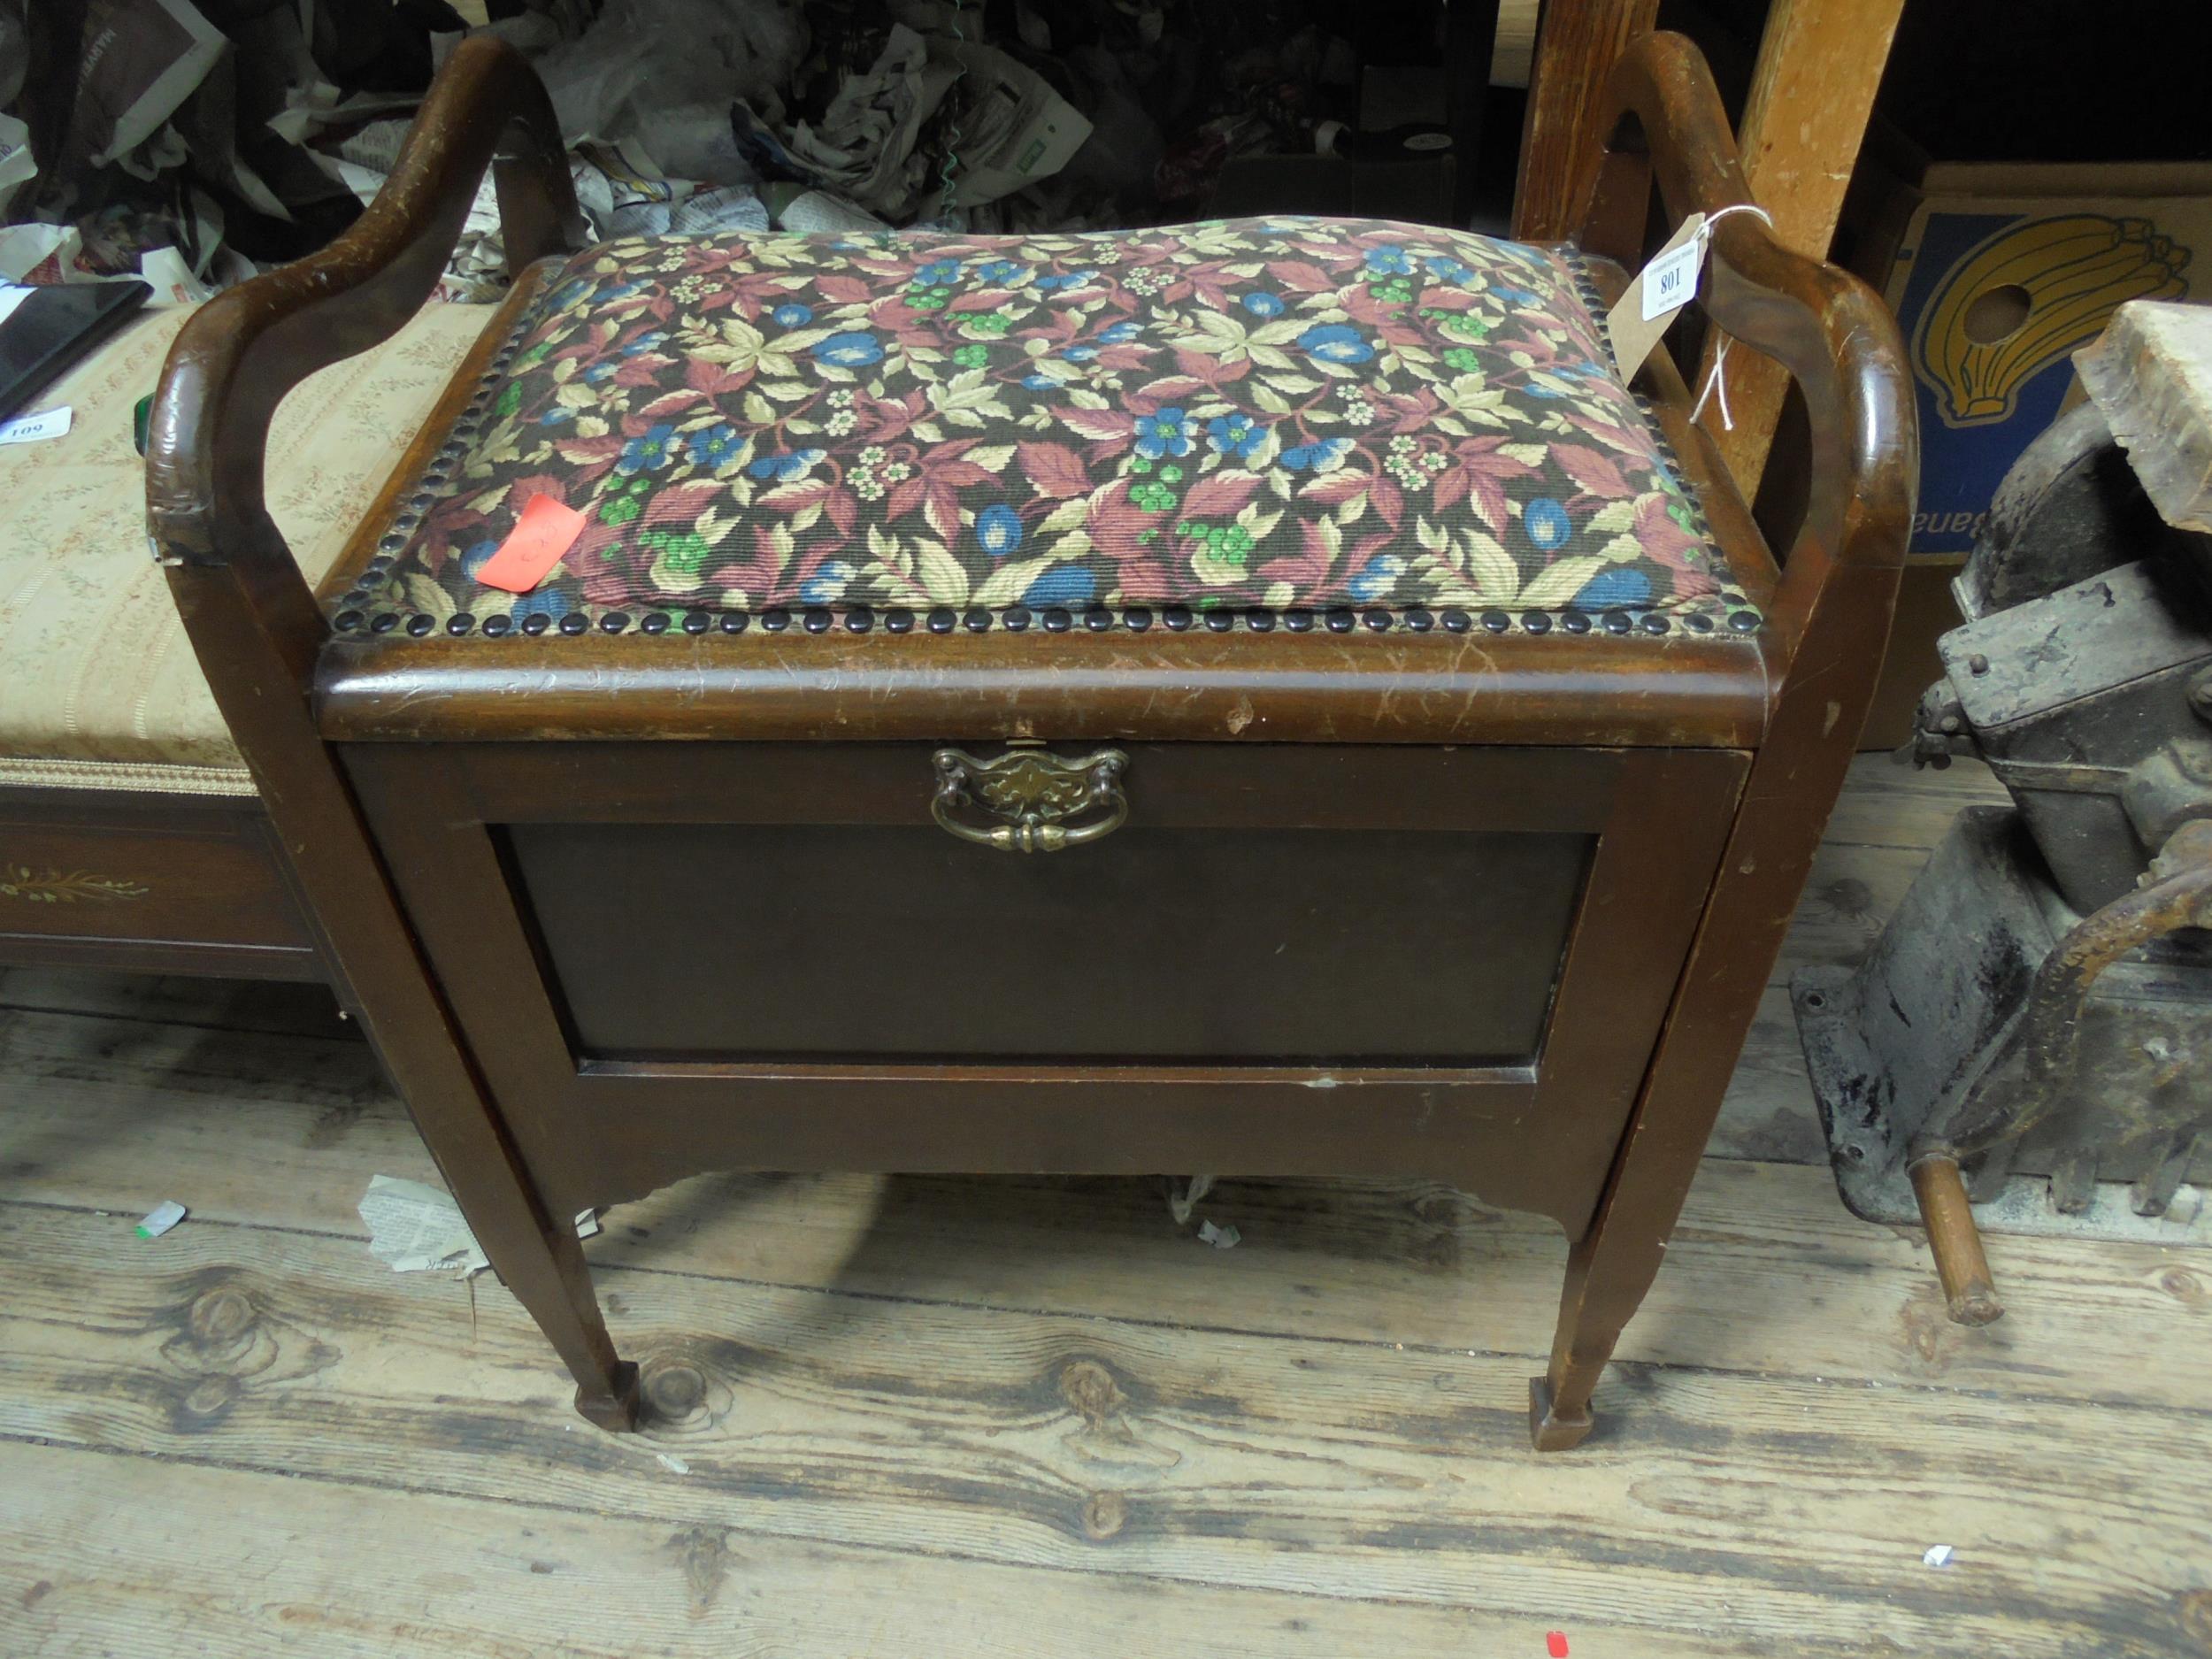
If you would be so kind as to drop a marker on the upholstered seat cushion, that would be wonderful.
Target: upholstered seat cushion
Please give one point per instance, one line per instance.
(1247, 416)
(96, 673)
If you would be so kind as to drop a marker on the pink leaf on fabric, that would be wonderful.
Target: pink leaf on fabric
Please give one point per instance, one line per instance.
(1056, 470)
(905, 496)
(1306, 279)
(1337, 487)
(943, 511)
(1169, 389)
(681, 503)
(793, 497)
(1594, 472)
(1211, 371)
(703, 376)
(1102, 424)
(1663, 540)
(1222, 495)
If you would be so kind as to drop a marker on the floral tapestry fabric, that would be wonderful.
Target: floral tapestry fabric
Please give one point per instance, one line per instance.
(1277, 413)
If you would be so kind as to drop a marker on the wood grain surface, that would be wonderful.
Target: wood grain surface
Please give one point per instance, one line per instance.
(953, 1414)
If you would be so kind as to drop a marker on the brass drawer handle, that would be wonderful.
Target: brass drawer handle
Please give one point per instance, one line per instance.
(1035, 791)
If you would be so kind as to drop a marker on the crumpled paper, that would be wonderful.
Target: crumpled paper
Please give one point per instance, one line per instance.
(415, 1228)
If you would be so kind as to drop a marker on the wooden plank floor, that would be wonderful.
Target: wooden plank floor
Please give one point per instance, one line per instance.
(916, 1417)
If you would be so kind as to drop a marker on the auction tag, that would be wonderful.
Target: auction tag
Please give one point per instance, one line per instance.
(50, 423)
(1662, 287)
(160, 1218)
(545, 530)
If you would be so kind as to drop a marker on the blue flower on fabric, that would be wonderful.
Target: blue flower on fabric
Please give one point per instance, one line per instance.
(650, 341)
(620, 291)
(1119, 334)
(1236, 434)
(717, 445)
(1317, 457)
(780, 467)
(1390, 262)
(1613, 589)
(1065, 584)
(1547, 523)
(1335, 342)
(556, 415)
(543, 601)
(1079, 354)
(1041, 383)
(1260, 303)
(1447, 270)
(601, 372)
(1519, 296)
(474, 559)
(794, 315)
(998, 527)
(650, 451)
(850, 352)
(828, 583)
(570, 293)
(1379, 576)
(999, 273)
(1072, 280)
(937, 273)
(1167, 433)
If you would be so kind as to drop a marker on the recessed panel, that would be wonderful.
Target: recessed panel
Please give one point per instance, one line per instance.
(1155, 944)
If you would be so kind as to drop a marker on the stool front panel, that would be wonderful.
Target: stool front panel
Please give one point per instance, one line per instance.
(1280, 959)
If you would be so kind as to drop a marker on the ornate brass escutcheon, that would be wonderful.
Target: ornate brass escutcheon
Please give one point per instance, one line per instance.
(1035, 791)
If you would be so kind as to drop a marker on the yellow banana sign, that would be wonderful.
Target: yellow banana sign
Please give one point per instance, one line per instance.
(2074, 271)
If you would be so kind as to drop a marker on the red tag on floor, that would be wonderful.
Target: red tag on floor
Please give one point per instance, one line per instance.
(1555, 1644)
(545, 530)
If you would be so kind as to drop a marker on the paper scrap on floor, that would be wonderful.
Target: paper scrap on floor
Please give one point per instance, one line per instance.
(160, 1218)
(414, 1228)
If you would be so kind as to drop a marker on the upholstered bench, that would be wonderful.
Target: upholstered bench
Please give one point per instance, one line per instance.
(130, 832)
(1260, 696)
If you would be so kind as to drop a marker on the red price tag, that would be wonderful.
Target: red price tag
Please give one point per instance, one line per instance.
(545, 530)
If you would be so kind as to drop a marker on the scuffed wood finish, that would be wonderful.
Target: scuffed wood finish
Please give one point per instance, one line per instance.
(1819, 65)
(1438, 688)
(255, 628)
(1577, 43)
(1832, 609)
(2150, 374)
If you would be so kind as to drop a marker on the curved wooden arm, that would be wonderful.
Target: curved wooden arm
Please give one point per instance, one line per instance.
(1665, 124)
(245, 349)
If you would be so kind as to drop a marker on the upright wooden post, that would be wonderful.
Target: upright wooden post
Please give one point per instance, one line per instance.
(1820, 64)
(1577, 45)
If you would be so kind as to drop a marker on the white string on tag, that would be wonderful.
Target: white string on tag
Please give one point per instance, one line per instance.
(1716, 387)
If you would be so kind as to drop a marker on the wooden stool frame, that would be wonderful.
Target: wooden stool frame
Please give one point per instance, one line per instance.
(1700, 771)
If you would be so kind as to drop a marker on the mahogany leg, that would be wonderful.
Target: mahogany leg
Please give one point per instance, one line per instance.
(542, 1261)
(1608, 1273)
